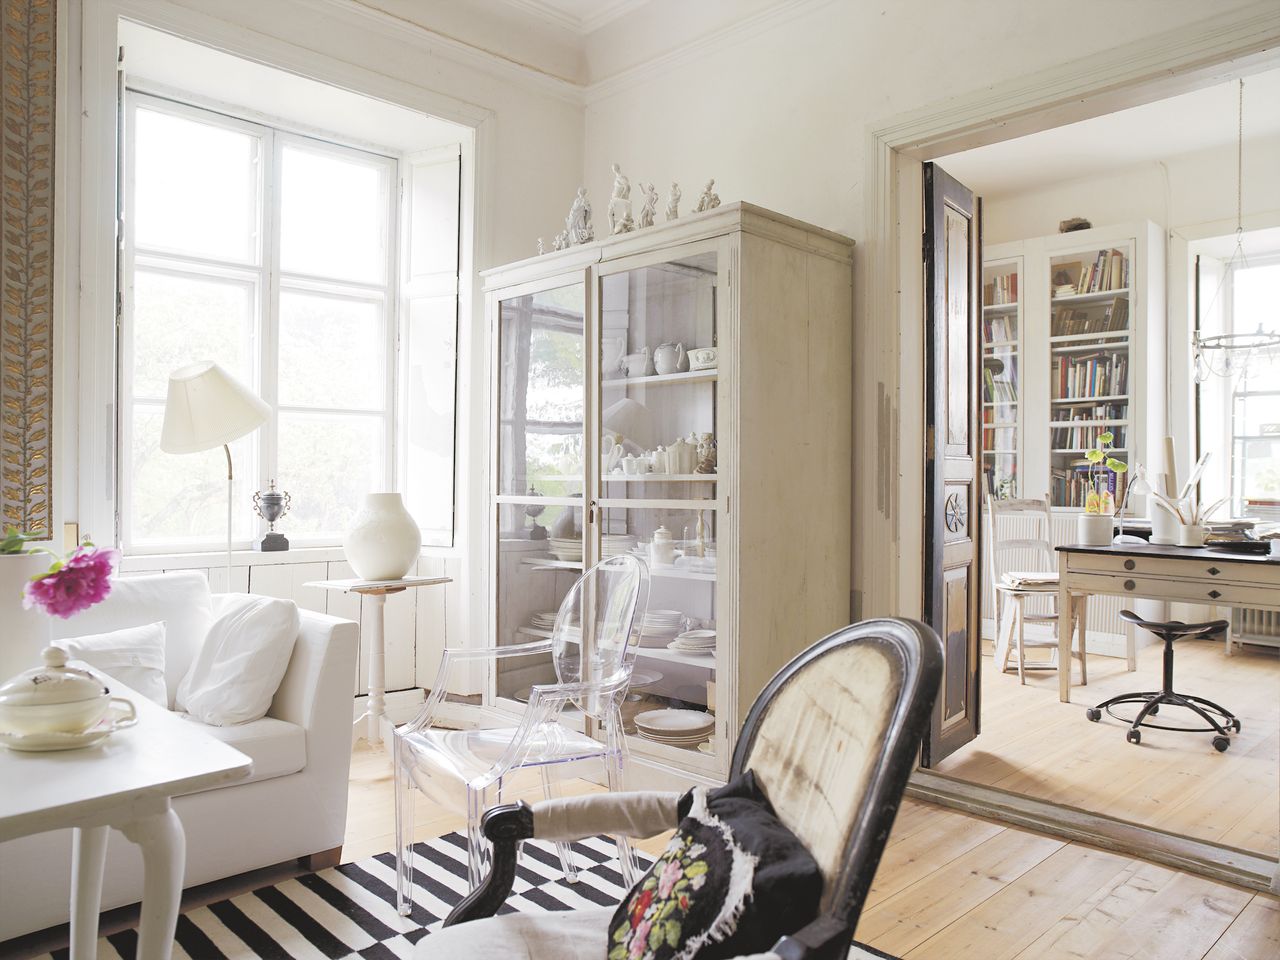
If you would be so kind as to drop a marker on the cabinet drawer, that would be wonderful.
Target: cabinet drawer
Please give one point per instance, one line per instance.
(1188, 591)
(1210, 571)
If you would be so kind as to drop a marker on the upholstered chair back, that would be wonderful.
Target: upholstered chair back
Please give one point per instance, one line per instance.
(834, 737)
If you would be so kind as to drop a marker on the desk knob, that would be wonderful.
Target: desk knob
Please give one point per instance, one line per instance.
(1214, 594)
(1129, 585)
(1129, 564)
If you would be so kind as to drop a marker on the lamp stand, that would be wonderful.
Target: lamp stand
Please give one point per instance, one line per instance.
(227, 450)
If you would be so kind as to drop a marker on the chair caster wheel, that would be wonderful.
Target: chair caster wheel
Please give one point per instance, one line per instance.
(1094, 714)
(1220, 743)
(1235, 725)
(1134, 736)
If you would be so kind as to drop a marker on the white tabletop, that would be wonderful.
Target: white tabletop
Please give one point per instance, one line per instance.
(356, 585)
(162, 756)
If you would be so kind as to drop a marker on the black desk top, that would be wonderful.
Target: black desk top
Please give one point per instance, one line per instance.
(1170, 552)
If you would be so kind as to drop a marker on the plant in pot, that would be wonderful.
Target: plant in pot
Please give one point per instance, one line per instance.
(1094, 527)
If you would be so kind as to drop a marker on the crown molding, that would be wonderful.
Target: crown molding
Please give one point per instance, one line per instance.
(442, 45)
(699, 47)
(581, 25)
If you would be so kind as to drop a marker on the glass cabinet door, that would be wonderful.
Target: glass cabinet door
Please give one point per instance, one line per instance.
(540, 369)
(1001, 386)
(659, 447)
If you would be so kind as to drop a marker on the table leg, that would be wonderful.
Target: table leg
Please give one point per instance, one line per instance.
(164, 854)
(1066, 627)
(88, 854)
(377, 667)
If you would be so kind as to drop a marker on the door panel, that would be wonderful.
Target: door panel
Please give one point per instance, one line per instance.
(952, 258)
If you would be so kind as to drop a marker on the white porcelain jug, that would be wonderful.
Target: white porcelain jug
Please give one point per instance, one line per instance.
(670, 358)
(385, 540)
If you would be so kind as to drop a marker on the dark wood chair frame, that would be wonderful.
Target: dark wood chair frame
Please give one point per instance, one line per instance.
(915, 653)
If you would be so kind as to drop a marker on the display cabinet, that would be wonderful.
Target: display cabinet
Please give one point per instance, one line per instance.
(1002, 281)
(682, 393)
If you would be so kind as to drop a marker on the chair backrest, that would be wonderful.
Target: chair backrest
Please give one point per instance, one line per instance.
(608, 598)
(1036, 547)
(832, 740)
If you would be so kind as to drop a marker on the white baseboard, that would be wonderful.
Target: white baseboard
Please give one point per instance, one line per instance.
(401, 705)
(1104, 644)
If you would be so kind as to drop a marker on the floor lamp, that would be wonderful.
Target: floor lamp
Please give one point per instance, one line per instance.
(207, 408)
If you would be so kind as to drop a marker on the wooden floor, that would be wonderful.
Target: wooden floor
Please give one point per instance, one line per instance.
(1033, 744)
(954, 887)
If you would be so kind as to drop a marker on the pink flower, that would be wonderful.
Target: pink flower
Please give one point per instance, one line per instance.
(640, 940)
(74, 585)
(671, 873)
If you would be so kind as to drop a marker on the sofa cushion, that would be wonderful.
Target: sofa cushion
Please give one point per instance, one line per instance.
(238, 669)
(276, 747)
(134, 656)
(180, 599)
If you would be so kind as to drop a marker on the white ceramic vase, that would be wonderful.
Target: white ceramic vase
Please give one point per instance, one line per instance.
(26, 632)
(1095, 529)
(384, 541)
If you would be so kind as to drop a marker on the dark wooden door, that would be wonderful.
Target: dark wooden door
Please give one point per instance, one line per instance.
(952, 573)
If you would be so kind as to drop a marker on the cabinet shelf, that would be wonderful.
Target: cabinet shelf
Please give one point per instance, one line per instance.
(1000, 344)
(701, 661)
(1000, 308)
(1078, 337)
(673, 573)
(1108, 398)
(1089, 297)
(692, 376)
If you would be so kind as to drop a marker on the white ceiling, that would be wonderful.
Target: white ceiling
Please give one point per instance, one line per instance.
(1167, 128)
(580, 16)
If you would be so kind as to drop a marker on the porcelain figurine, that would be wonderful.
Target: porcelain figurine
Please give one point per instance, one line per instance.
(709, 199)
(670, 358)
(578, 224)
(560, 241)
(673, 201)
(650, 208)
(541, 251)
(620, 220)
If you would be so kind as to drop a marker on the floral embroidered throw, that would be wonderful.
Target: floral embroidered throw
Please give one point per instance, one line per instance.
(732, 881)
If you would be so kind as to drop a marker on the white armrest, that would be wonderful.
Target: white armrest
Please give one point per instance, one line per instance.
(316, 690)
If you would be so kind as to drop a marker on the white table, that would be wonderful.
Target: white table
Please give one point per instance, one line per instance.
(124, 782)
(376, 591)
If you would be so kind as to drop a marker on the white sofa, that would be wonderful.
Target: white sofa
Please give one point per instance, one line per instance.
(293, 804)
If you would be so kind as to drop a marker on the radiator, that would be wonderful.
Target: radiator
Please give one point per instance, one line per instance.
(1256, 626)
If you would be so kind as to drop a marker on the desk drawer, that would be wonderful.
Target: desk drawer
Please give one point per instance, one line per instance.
(1209, 571)
(1186, 590)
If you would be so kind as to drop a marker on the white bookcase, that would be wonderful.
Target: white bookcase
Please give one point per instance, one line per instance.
(1082, 346)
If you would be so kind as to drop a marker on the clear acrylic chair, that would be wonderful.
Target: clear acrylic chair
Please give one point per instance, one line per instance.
(593, 671)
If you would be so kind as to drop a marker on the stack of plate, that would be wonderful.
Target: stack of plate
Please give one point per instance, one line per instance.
(616, 544)
(679, 728)
(694, 641)
(543, 621)
(660, 627)
(563, 549)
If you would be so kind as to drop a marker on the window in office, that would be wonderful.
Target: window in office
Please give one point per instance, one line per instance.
(275, 255)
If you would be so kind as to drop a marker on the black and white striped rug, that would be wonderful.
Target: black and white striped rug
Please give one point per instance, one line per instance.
(349, 912)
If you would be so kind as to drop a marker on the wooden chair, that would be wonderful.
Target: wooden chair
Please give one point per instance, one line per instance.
(1013, 600)
(832, 740)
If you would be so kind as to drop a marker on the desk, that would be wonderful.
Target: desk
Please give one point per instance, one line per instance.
(376, 591)
(1154, 572)
(124, 782)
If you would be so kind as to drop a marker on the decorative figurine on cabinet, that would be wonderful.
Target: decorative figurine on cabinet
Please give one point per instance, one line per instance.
(578, 224)
(673, 201)
(650, 208)
(271, 506)
(560, 241)
(541, 251)
(709, 199)
(620, 220)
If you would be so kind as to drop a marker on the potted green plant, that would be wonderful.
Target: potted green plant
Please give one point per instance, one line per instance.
(1095, 527)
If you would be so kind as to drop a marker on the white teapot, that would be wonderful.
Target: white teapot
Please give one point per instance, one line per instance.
(54, 698)
(670, 357)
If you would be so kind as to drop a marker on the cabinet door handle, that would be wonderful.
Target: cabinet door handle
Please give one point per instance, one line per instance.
(591, 513)
(1214, 594)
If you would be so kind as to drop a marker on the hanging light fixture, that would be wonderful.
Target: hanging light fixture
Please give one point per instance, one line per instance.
(1229, 354)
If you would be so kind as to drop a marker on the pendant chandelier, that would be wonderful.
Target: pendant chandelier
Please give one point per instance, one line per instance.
(1229, 354)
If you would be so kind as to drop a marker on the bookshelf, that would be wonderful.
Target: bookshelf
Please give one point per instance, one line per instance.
(1001, 387)
(1091, 317)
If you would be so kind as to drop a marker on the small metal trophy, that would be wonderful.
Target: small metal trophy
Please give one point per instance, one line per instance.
(271, 506)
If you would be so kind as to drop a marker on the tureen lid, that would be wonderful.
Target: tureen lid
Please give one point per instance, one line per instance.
(55, 682)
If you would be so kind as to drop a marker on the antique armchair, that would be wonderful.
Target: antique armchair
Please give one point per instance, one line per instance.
(832, 740)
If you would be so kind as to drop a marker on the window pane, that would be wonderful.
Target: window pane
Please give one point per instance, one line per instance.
(328, 463)
(332, 352)
(195, 187)
(182, 499)
(179, 319)
(429, 409)
(333, 220)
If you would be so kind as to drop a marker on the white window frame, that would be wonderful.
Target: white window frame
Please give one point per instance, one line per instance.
(270, 280)
(1231, 386)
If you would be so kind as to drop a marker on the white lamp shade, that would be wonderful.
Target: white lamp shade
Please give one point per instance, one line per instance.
(208, 407)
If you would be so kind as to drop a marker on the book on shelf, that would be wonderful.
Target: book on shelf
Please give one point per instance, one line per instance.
(1065, 437)
(1000, 290)
(998, 390)
(1089, 375)
(1095, 318)
(999, 329)
(1107, 270)
(1069, 485)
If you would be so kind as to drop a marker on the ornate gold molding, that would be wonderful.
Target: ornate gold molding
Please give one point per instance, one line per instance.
(27, 46)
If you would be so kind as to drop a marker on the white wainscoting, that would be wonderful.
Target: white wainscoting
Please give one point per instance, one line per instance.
(417, 621)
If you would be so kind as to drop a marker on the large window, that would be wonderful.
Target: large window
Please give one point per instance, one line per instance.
(1240, 412)
(275, 255)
